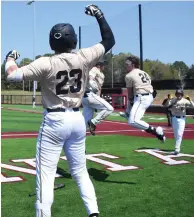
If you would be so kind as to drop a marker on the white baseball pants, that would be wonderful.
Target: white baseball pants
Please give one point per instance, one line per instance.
(141, 103)
(67, 131)
(93, 102)
(178, 125)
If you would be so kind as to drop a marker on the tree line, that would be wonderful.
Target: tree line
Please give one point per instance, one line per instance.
(115, 67)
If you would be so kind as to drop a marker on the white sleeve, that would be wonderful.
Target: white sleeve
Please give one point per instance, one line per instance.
(16, 75)
(128, 81)
(93, 86)
(35, 70)
(189, 103)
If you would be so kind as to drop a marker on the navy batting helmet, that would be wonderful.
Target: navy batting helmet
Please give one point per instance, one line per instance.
(179, 91)
(62, 37)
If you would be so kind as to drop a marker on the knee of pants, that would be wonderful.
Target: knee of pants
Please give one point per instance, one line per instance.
(131, 121)
(110, 109)
(43, 206)
(79, 174)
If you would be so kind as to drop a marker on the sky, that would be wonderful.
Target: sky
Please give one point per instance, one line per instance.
(168, 31)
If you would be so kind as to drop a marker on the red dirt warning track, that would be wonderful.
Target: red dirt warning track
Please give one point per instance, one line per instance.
(112, 127)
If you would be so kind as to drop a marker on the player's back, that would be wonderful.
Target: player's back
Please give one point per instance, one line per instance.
(141, 81)
(96, 75)
(64, 84)
(63, 76)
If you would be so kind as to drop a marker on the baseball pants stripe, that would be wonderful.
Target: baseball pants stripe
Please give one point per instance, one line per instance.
(62, 131)
(178, 125)
(93, 102)
(141, 103)
(39, 197)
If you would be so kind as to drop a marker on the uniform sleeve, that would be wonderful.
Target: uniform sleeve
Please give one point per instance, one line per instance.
(164, 102)
(189, 103)
(129, 81)
(170, 102)
(92, 55)
(92, 74)
(35, 70)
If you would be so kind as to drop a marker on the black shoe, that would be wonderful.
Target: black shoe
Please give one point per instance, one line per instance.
(175, 152)
(94, 215)
(92, 127)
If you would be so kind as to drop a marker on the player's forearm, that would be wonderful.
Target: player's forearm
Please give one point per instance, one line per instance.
(169, 103)
(191, 104)
(13, 74)
(108, 39)
(130, 94)
(10, 66)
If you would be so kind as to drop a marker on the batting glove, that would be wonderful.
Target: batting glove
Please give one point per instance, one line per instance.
(13, 54)
(93, 11)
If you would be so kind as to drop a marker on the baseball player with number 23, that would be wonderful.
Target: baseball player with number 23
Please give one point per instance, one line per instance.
(178, 107)
(63, 80)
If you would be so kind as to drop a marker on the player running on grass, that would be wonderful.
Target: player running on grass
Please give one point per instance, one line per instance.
(178, 107)
(63, 79)
(140, 97)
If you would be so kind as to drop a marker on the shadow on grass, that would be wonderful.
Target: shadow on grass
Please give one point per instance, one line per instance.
(101, 176)
(98, 175)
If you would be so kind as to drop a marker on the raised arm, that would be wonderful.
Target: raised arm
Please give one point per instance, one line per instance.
(189, 103)
(33, 71)
(108, 40)
(11, 67)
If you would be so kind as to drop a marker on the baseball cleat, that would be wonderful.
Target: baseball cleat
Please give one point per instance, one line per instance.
(175, 152)
(94, 215)
(124, 115)
(160, 134)
(92, 127)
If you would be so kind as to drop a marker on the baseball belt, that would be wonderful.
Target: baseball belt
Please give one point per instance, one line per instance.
(61, 110)
(179, 116)
(143, 94)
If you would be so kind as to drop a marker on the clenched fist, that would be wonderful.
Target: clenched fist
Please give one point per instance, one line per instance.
(13, 54)
(94, 11)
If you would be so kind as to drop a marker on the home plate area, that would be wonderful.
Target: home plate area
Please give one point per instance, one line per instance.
(113, 127)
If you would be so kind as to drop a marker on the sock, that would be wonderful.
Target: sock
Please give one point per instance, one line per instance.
(151, 130)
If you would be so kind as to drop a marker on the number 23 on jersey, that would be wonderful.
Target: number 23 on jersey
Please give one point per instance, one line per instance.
(63, 86)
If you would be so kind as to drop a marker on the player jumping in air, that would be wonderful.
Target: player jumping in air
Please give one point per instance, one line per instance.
(140, 97)
(92, 99)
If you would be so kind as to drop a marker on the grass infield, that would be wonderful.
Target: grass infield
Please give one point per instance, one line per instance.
(153, 190)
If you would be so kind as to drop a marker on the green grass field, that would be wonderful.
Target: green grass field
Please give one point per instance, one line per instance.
(114, 116)
(162, 94)
(154, 189)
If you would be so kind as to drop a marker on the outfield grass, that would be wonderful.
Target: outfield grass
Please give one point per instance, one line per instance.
(114, 116)
(18, 92)
(154, 190)
(162, 94)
